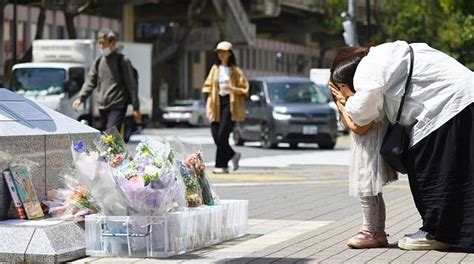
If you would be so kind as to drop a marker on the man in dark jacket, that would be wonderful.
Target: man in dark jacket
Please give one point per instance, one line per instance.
(112, 75)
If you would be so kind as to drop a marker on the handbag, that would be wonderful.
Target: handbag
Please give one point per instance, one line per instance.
(396, 139)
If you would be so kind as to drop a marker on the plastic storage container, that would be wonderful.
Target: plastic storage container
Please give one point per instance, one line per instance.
(163, 236)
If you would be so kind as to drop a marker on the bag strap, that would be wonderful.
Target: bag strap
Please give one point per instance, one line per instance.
(120, 62)
(97, 62)
(400, 108)
(120, 59)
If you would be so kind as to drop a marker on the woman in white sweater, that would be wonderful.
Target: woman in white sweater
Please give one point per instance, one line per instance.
(439, 110)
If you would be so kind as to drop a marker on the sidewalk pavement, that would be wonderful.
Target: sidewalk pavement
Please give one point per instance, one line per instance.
(313, 230)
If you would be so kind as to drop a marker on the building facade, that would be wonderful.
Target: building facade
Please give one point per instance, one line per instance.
(87, 27)
(270, 37)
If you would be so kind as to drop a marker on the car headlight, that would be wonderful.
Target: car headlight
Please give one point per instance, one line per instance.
(281, 116)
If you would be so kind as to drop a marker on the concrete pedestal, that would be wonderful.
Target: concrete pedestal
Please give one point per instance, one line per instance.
(41, 241)
(40, 139)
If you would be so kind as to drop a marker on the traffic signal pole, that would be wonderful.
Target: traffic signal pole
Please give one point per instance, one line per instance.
(350, 27)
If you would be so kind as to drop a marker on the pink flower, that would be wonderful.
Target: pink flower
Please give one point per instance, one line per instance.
(136, 181)
(117, 160)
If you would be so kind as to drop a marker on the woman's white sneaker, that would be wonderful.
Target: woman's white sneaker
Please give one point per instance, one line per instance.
(421, 240)
(220, 170)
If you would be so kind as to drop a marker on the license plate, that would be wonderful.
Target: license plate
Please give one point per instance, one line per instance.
(310, 130)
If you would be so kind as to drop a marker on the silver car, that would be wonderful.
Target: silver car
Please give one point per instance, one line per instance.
(189, 112)
(287, 109)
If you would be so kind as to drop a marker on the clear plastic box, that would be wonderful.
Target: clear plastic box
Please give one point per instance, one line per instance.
(163, 236)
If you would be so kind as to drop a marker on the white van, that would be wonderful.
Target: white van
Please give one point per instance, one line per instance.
(60, 67)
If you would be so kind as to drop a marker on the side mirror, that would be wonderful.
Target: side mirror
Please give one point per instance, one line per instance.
(255, 98)
(71, 88)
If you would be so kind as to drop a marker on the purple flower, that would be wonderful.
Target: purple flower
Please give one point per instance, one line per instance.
(157, 184)
(101, 159)
(80, 147)
(141, 168)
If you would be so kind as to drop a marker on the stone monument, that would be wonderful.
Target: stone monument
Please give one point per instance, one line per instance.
(41, 138)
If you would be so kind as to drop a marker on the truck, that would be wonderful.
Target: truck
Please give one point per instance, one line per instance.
(58, 71)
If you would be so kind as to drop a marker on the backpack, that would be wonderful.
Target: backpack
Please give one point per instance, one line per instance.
(120, 61)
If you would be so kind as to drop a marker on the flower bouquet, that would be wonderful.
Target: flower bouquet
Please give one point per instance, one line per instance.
(72, 202)
(196, 162)
(112, 146)
(193, 188)
(149, 181)
(96, 175)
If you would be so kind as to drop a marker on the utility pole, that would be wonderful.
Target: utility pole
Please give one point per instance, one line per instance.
(350, 26)
(369, 29)
(14, 50)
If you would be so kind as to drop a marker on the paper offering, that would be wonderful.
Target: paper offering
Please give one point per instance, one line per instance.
(26, 192)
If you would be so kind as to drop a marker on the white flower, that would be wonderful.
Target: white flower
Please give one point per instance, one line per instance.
(151, 170)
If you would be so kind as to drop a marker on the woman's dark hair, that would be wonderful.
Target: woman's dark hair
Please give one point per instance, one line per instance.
(345, 64)
(232, 60)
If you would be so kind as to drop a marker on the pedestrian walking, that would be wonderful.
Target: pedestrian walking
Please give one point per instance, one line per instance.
(112, 76)
(368, 172)
(439, 112)
(225, 88)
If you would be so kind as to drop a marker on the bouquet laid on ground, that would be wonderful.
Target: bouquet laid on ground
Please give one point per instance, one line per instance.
(95, 173)
(193, 188)
(150, 182)
(71, 202)
(196, 163)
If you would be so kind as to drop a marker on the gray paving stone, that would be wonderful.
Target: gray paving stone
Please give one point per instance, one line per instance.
(285, 261)
(389, 255)
(378, 261)
(333, 261)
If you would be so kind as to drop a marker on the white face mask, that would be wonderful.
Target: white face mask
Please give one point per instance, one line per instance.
(106, 51)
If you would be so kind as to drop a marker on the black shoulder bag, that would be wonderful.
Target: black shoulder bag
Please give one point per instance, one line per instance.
(396, 139)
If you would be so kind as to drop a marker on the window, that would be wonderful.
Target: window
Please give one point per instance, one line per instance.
(33, 29)
(21, 37)
(38, 81)
(60, 32)
(254, 59)
(255, 88)
(82, 34)
(298, 92)
(76, 75)
(47, 32)
(196, 55)
(248, 62)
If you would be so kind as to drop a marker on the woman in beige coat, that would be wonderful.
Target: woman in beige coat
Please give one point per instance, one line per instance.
(226, 88)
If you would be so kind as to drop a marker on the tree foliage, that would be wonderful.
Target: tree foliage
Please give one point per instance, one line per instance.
(447, 25)
(332, 20)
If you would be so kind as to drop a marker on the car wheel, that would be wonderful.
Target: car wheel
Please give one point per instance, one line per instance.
(327, 145)
(266, 139)
(238, 141)
(293, 145)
